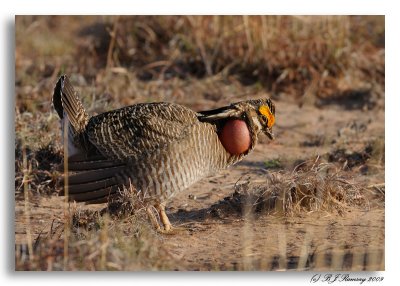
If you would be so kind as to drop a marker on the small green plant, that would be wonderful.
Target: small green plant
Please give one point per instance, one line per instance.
(273, 164)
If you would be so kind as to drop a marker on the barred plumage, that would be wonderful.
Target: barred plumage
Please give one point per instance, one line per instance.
(159, 148)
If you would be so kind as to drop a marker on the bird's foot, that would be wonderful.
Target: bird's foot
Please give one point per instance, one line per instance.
(172, 230)
(165, 227)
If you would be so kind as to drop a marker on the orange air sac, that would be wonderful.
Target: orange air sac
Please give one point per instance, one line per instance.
(235, 136)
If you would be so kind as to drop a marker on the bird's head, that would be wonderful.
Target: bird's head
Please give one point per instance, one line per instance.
(259, 114)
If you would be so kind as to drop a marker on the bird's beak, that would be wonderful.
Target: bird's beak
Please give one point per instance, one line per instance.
(268, 132)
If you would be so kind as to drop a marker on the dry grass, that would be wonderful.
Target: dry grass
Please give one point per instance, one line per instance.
(299, 57)
(107, 244)
(119, 237)
(313, 186)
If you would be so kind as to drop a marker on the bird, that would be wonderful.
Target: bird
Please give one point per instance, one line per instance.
(159, 148)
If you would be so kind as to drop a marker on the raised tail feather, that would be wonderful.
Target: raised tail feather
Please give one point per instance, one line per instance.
(91, 177)
(66, 101)
(94, 181)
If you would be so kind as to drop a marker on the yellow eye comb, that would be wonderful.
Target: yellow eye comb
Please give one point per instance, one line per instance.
(264, 110)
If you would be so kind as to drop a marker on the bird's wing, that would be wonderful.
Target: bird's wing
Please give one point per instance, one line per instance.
(123, 136)
(129, 132)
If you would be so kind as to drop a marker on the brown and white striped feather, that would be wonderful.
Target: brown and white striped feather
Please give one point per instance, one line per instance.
(160, 156)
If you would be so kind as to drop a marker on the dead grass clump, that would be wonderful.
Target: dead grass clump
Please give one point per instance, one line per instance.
(40, 171)
(318, 187)
(369, 158)
(127, 202)
(314, 141)
(350, 159)
(323, 186)
(351, 99)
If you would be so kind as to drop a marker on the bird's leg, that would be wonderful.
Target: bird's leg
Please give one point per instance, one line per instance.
(168, 228)
(153, 218)
(163, 217)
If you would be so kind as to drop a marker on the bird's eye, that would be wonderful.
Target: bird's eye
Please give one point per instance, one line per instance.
(265, 111)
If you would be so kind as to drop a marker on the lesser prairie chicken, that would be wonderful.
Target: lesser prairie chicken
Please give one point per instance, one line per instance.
(159, 148)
